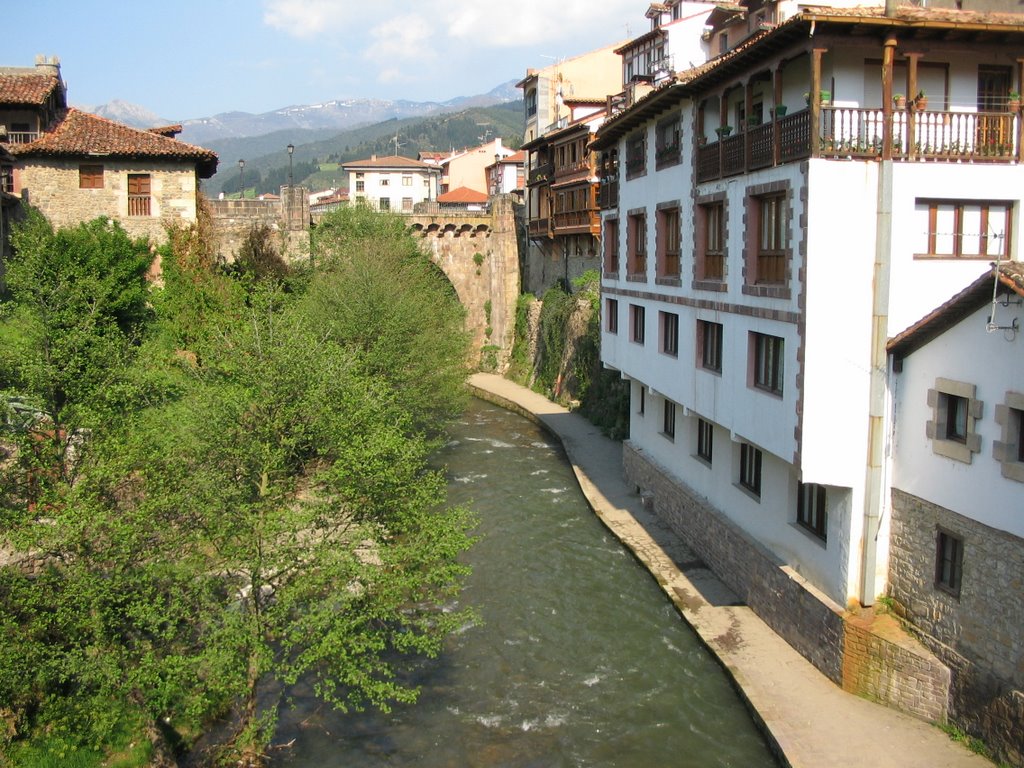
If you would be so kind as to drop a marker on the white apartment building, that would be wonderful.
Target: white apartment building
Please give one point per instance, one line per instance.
(391, 183)
(771, 218)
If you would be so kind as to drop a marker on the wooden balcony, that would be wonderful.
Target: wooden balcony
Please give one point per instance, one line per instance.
(540, 227)
(583, 222)
(541, 174)
(856, 133)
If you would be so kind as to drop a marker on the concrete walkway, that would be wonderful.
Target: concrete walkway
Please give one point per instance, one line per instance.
(813, 723)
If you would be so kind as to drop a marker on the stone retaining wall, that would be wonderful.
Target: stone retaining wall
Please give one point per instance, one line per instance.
(894, 670)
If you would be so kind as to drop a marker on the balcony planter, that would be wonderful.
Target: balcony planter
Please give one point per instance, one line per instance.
(1013, 102)
(899, 101)
(723, 131)
(753, 121)
(780, 110)
(824, 97)
(921, 101)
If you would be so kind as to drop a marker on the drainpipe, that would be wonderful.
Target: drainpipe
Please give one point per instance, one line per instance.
(874, 487)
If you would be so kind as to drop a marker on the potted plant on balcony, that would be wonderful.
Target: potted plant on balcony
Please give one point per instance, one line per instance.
(824, 97)
(899, 101)
(921, 101)
(723, 131)
(780, 110)
(1013, 101)
(753, 120)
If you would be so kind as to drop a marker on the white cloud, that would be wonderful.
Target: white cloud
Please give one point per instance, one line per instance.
(401, 39)
(307, 18)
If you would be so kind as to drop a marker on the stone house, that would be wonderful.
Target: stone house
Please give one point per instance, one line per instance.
(74, 166)
(956, 559)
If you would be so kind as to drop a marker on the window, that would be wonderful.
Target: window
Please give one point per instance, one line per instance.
(360, 185)
(611, 315)
(668, 242)
(636, 324)
(636, 155)
(949, 560)
(810, 509)
(668, 420)
(709, 345)
(669, 325)
(954, 412)
(705, 439)
(138, 194)
(636, 242)
(611, 247)
(426, 183)
(407, 180)
(1009, 450)
(531, 102)
(771, 239)
(384, 204)
(666, 145)
(407, 204)
(711, 244)
(768, 363)
(384, 181)
(965, 229)
(643, 400)
(750, 468)
(90, 177)
(7, 179)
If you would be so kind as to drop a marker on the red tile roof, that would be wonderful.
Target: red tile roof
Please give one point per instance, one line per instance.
(970, 299)
(80, 134)
(26, 89)
(390, 161)
(462, 195)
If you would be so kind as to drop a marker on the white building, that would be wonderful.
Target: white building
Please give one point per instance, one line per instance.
(771, 218)
(391, 183)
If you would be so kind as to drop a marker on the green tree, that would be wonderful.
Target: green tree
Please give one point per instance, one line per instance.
(378, 293)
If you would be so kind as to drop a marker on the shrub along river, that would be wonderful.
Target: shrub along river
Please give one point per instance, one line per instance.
(580, 659)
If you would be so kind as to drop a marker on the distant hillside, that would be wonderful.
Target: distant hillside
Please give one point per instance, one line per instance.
(266, 157)
(339, 114)
(128, 114)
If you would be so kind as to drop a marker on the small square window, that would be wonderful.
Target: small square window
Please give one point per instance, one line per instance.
(709, 345)
(385, 181)
(669, 323)
(810, 509)
(1009, 449)
(668, 427)
(750, 468)
(638, 318)
(90, 176)
(954, 413)
(611, 315)
(705, 439)
(949, 561)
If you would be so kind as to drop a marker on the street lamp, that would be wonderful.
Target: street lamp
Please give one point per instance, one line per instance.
(291, 151)
(241, 179)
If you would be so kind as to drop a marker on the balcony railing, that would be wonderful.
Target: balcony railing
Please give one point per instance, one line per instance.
(572, 168)
(138, 205)
(21, 137)
(541, 173)
(857, 133)
(540, 227)
(583, 221)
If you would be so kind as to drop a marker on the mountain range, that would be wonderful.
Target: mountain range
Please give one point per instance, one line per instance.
(338, 114)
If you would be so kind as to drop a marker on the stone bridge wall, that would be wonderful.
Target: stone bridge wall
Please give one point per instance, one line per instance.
(287, 216)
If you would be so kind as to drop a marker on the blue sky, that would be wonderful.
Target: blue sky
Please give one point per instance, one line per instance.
(194, 58)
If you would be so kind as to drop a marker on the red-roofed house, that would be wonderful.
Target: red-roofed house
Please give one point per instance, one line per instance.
(391, 183)
(464, 196)
(74, 166)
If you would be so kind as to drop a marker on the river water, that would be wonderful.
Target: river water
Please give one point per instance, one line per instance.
(580, 659)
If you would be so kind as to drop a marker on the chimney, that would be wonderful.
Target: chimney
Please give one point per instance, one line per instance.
(48, 66)
(373, 157)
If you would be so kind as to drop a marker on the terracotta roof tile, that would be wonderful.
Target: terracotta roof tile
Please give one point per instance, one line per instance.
(389, 161)
(80, 134)
(29, 89)
(462, 195)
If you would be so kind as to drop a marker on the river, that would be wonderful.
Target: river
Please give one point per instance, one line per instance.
(580, 659)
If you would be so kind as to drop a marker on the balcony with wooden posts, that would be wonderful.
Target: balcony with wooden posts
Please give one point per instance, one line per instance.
(858, 133)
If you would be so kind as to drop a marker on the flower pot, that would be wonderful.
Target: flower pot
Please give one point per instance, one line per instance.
(921, 103)
(900, 102)
(1013, 105)
(780, 110)
(723, 130)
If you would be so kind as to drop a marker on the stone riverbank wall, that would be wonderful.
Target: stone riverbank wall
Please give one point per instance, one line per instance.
(870, 656)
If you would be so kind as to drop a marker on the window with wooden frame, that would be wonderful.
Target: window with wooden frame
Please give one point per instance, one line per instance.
(636, 242)
(139, 200)
(949, 562)
(666, 142)
(668, 420)
(705, 440)
(668, 242)
(768, 366)
(1009, 449)
(709, 345)
(611, 315)
(637, 322)
(636, 155)
(810, 509)
(711, 248)
(771, 239)
(964, 229)
(90, 176)
(750, 468)
(668, 323)
(955, 411)
(7, 179)
(611, 247)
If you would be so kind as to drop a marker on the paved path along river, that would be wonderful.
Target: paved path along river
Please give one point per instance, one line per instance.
(813, 723)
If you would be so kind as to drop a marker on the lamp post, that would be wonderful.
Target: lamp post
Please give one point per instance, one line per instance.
(241, 179)
(291, 151)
